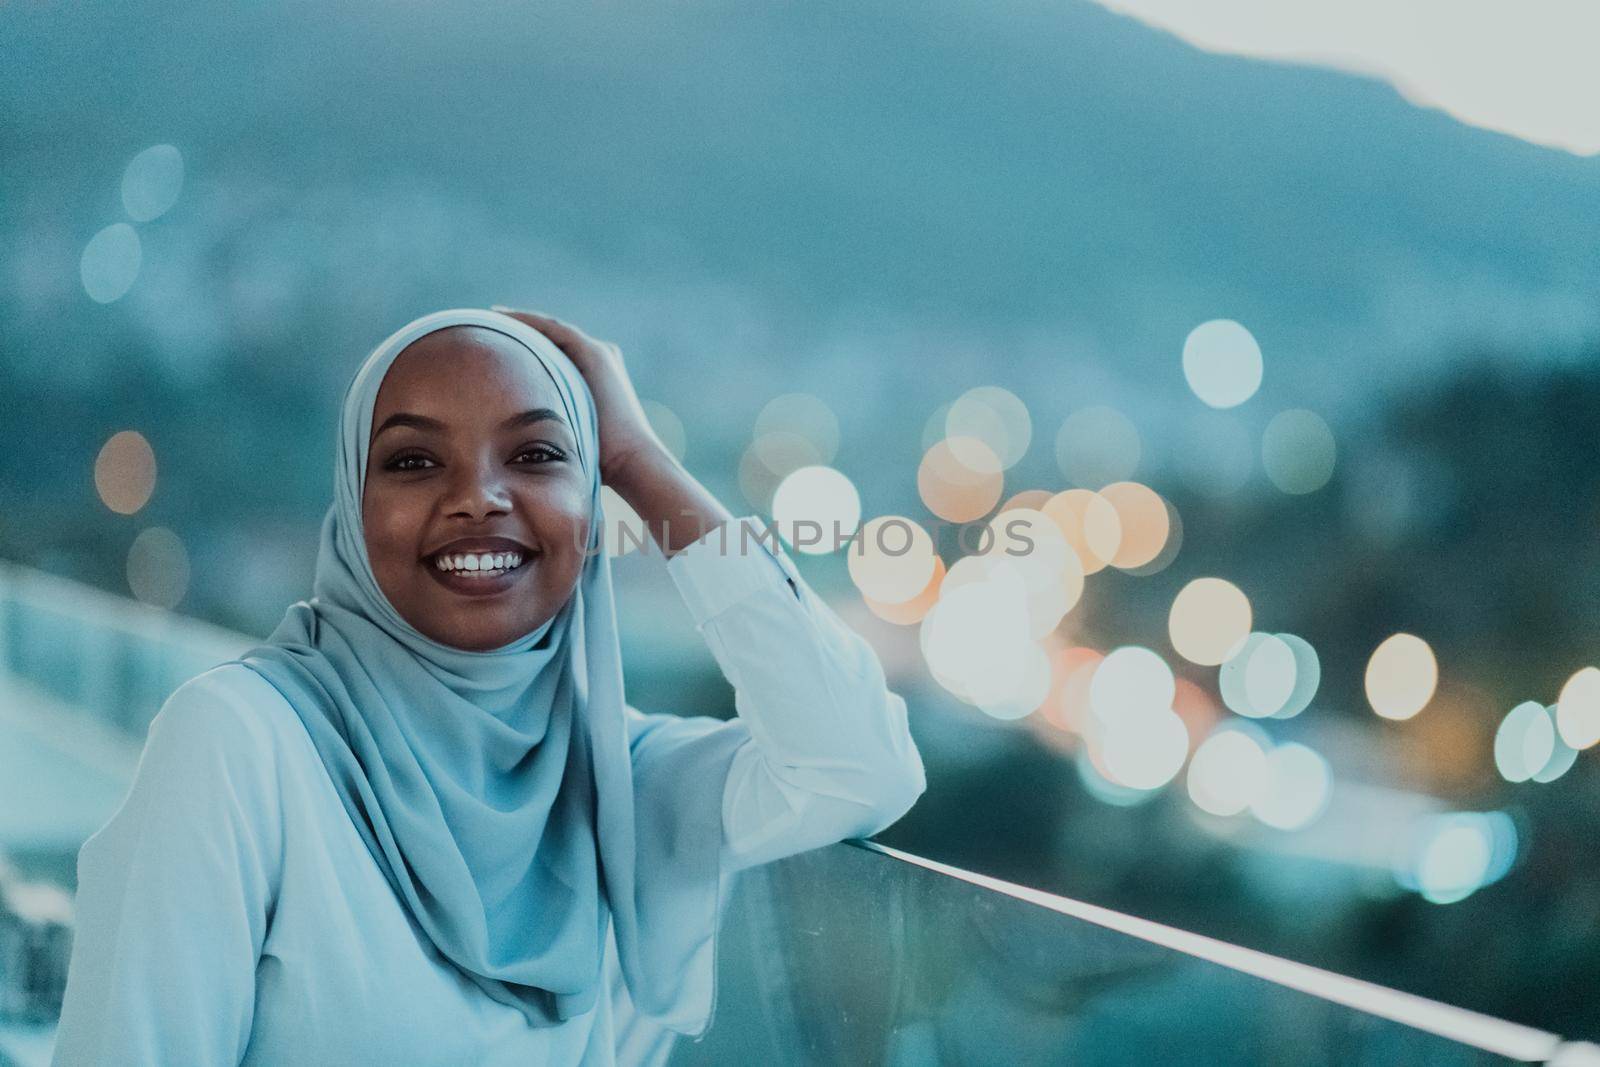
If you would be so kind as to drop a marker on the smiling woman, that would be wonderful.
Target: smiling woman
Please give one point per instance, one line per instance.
(420, 823)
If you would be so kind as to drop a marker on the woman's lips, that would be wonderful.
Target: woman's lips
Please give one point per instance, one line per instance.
(470, 584)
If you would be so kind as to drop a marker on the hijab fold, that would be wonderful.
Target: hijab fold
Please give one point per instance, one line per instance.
(500, 792)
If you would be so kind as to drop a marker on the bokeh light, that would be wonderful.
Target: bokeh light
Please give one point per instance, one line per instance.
(994, 416)
(1297, 451)
(977, 644)
(1259, 676)
(665, 422)
(1562, 755)
(1129, 681)
(1169, 547)
(125, 472)
(816, 509)
(1297, 789)
(1401, 676)
(151, 182)
(804, 416)
(1524, 742)
(1208, 617)
(1144, 520)
(158, 567)
(1027, 498)
(1228, 771)
(1222, 363)
(110, 263)
(1307, 676)
(910, 612)
(1141, 748)
(1578, 709)
(1028, 540)
(1096, 446)
(1103, 789)
(960, 480)
(892, 559)
(1451, 856)
(791, 431)
(1091, 526)
(1072, 669)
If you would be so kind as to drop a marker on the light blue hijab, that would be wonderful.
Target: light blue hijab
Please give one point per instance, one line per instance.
(500, 792)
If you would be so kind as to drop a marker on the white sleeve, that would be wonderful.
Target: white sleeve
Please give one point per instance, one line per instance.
(174, 893)
(830, 755)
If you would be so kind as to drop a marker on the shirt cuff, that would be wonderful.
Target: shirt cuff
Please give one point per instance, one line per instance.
(729, 563)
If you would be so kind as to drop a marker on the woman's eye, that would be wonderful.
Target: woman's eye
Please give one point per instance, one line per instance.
(416, 461)
(545, 453)
(399, 463)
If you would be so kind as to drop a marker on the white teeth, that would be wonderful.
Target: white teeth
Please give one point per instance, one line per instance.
(479, 562)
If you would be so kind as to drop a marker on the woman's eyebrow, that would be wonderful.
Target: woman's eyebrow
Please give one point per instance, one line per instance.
(424, 422)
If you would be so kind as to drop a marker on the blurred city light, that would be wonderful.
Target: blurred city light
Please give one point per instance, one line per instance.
(814, 508)
(960, 479)
(110, 263)
(1222, 363)
(1097, 445)
(158, 567)
(1452, 856)
(993, 416)
(1297, 451)
(151, 182)
(665, 422)
(1209, 616)
(1297, 788)
(1090, 524)
(892, 559)
(1228, 771)
(1401, 676)
(125, 472)
(1578, 709)
(1144, 520)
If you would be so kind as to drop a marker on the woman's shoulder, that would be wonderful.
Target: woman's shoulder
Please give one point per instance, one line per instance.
(209, 770)
(227, 719)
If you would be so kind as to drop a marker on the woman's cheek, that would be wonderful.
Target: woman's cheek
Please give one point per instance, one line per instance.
(570, 509)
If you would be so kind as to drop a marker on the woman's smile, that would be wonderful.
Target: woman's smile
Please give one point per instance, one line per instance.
(480, 571)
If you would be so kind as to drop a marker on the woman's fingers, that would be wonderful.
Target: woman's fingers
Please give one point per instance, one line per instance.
(569, 339)
(539, 322)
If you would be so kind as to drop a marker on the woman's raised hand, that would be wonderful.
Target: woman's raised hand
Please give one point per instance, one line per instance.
(625, 433)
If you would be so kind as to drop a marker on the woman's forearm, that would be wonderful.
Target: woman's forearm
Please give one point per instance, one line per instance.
(675, 507)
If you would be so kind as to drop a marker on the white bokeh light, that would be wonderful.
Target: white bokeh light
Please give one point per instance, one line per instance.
(1297, 451)
(815, 508)
(1524, 742)
(1228, 772)
(1131, 680)
(151, 182)
(1097, 446)
(110, 263)
(1297, 790)
(1578, 709)
(994, 416)
(1222, 363)
(1143, 748)
(1258, 678)
(1452, 856)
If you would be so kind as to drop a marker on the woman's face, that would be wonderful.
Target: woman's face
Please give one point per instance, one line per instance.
(471, 453)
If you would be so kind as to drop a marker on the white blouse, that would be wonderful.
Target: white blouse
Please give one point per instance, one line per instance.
(229, 912)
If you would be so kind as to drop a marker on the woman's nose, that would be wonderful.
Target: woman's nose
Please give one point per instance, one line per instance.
(479, 490)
